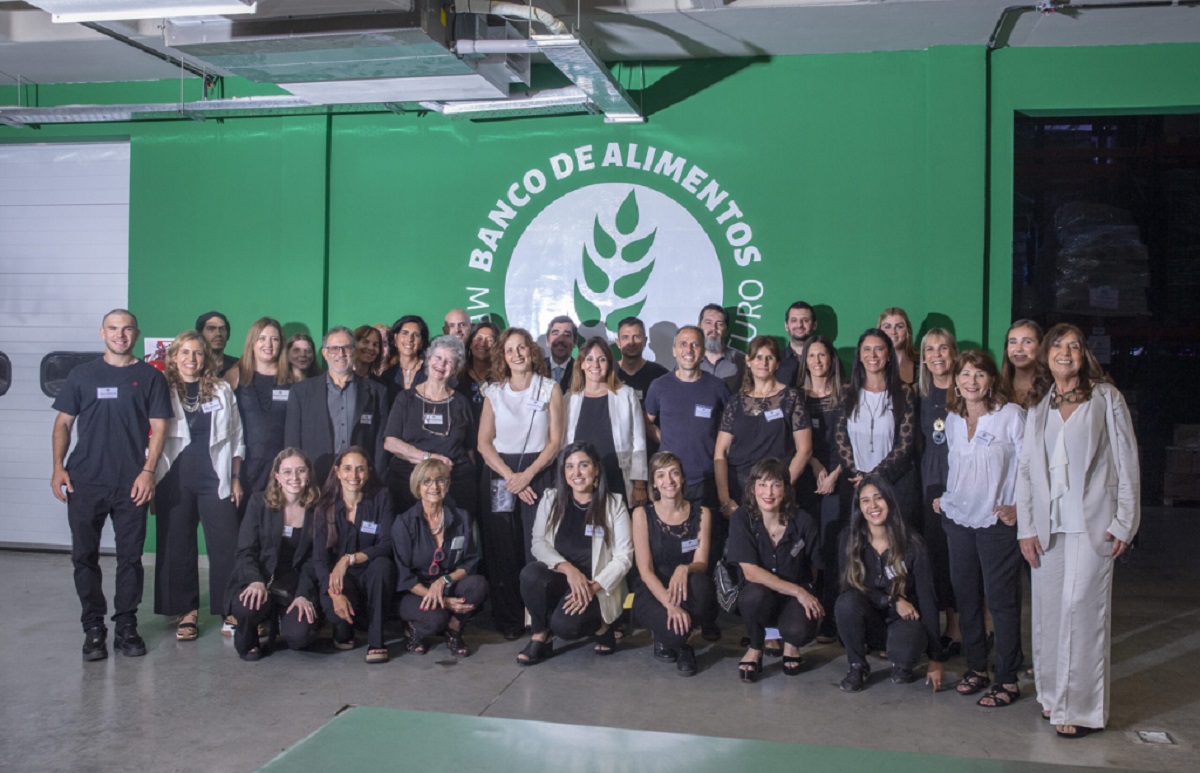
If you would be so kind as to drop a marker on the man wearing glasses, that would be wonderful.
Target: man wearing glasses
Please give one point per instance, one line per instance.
(214, 326)
(327, 415)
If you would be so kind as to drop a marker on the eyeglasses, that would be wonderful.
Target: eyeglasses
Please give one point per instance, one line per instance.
(342, 350)
(439, 482)
(435, 568)
(297, 473)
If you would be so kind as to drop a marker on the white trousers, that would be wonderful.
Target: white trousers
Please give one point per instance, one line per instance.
(1072, 631)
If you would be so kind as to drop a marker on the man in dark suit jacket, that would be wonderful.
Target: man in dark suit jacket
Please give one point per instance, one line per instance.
(328, 414)
(560, 340)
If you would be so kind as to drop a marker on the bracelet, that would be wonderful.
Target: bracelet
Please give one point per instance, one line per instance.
(149, 471)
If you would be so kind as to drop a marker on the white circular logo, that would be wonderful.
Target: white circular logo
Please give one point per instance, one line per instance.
(608, 251)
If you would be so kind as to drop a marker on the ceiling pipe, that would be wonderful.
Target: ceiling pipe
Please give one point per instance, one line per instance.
(529, 13)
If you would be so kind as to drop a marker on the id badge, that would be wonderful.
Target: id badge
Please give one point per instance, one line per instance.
(775, 414)
(434, 419)
(106, 393)
(370, 527)
(366, 418)
(689, 545)
(279, 395)
(211, 406)
(288, 530)
(457, 543)
(704, 411)
(593, 531)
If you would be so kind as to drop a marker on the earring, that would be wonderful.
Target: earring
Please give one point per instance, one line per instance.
(595, 484)
(957, 393)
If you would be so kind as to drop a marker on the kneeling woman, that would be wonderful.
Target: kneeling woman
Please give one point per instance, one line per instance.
(774, 542)
(273, 580)
(436, 560)
(887, 601)
(582, 551)
(671, 540)
(352, 552)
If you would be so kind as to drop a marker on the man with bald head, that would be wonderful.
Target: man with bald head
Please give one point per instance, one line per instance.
(457, 324)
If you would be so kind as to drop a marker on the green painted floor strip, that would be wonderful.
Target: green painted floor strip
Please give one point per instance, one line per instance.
(369, 738)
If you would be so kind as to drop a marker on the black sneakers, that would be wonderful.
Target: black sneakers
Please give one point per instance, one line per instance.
(686, 663)
(94, 643)
(856, 677)
(128, 642)
(902, 675)
(664, 653)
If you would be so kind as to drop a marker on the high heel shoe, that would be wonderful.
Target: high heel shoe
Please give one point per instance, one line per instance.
(792, 664)
(748, 670)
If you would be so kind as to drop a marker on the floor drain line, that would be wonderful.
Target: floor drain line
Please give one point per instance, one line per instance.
(1154, 737)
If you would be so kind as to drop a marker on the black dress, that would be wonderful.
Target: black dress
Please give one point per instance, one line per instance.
(935, 468)
(262, 404)
(595, 427)
(671, 547)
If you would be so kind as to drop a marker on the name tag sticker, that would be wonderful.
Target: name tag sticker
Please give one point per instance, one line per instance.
(106, 393)
(773, 633)
(366, 418)
(211, 406)
(435, 419)
(457, 543)
(816, 423)
(287, 531)
(533, 403)
(279, 394)
(984, 438)
(369, 527)
(590, 531)
(797, 548)
(688, 545)
(889, 572)
(704, 411)
(775, 414)
(641, 395)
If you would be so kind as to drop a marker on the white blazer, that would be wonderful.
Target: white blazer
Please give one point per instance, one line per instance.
(629, 432)
(1112, 492)
(224, 443)
(610, 564)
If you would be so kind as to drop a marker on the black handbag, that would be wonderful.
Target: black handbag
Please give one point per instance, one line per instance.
(728, 580)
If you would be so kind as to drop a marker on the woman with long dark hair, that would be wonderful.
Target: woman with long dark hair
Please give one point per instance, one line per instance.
(300, 354)
(1022, 376)
(476, 372)
(774, 544)
(368, 352)
(877, 426)
(197, 484)
(887, 601)
(273, 581)
(409, 337)
(583, 550)
(984, 433)
(895, 324)
(1078, 508)
(352, 552)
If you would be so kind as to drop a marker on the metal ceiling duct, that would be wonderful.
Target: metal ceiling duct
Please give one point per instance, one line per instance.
(71, 11)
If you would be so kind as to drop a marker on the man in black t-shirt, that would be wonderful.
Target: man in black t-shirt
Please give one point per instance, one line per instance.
(635, 370)
(122, 406)
(801, 325)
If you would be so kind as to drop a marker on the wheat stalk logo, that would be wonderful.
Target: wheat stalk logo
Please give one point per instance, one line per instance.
(615, 272)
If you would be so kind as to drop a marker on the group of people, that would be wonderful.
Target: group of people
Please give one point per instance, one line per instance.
(421, 478)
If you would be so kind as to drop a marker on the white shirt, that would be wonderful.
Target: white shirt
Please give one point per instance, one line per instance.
(983, 470)
(522, 418)
(1067, 441)
(871, 428)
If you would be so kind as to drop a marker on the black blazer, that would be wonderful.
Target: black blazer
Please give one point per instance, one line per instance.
(371, 533)
(414, 546)
(309, 427)
(258, 549)
(568, 370)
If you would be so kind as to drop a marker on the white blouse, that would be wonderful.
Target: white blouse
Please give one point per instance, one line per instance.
(522, 418)
(1066, 441)
(871, 428)
(983, 470)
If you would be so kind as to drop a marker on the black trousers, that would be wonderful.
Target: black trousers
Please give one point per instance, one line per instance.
(296, 632)
(986, 564)
(939, 553)
(507, 545)
(862, 627)
(701, 605)
(369, 588)
(185, 498)
(464, 485)
(832, 513)
(426, 623)
(88, 507)
(544, 591)
(762, 608)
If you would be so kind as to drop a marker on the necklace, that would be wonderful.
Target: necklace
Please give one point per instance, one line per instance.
(191, 403)
(441, 524)
(433, 420)
(1070, 398)
(881, 398)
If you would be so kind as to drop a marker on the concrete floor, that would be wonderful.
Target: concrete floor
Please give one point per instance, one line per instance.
(196, 706)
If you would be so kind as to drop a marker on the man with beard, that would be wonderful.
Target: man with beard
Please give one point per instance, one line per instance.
(214, 326)
(635, 370)
(725, 363)
(560, 340)
(801, 324)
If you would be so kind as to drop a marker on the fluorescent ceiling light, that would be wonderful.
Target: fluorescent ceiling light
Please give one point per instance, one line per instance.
(72, 11)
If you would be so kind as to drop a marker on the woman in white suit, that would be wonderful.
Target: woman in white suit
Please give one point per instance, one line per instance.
(1078, 508)
(583, 548)
(607, 414)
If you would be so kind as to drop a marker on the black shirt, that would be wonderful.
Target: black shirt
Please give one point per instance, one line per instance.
(572, 540)
(261, 551)
(672, 546)
(935, 456)
(640, 382)
(370, 534)
(790, 560)
(113, 407)
(393, 380)
(415, 546)
(595, 427)
(199, 424)
(822, 417)
(762, 427)
(263, 405)
(789, 368)
(918, 588)
(437, 426)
